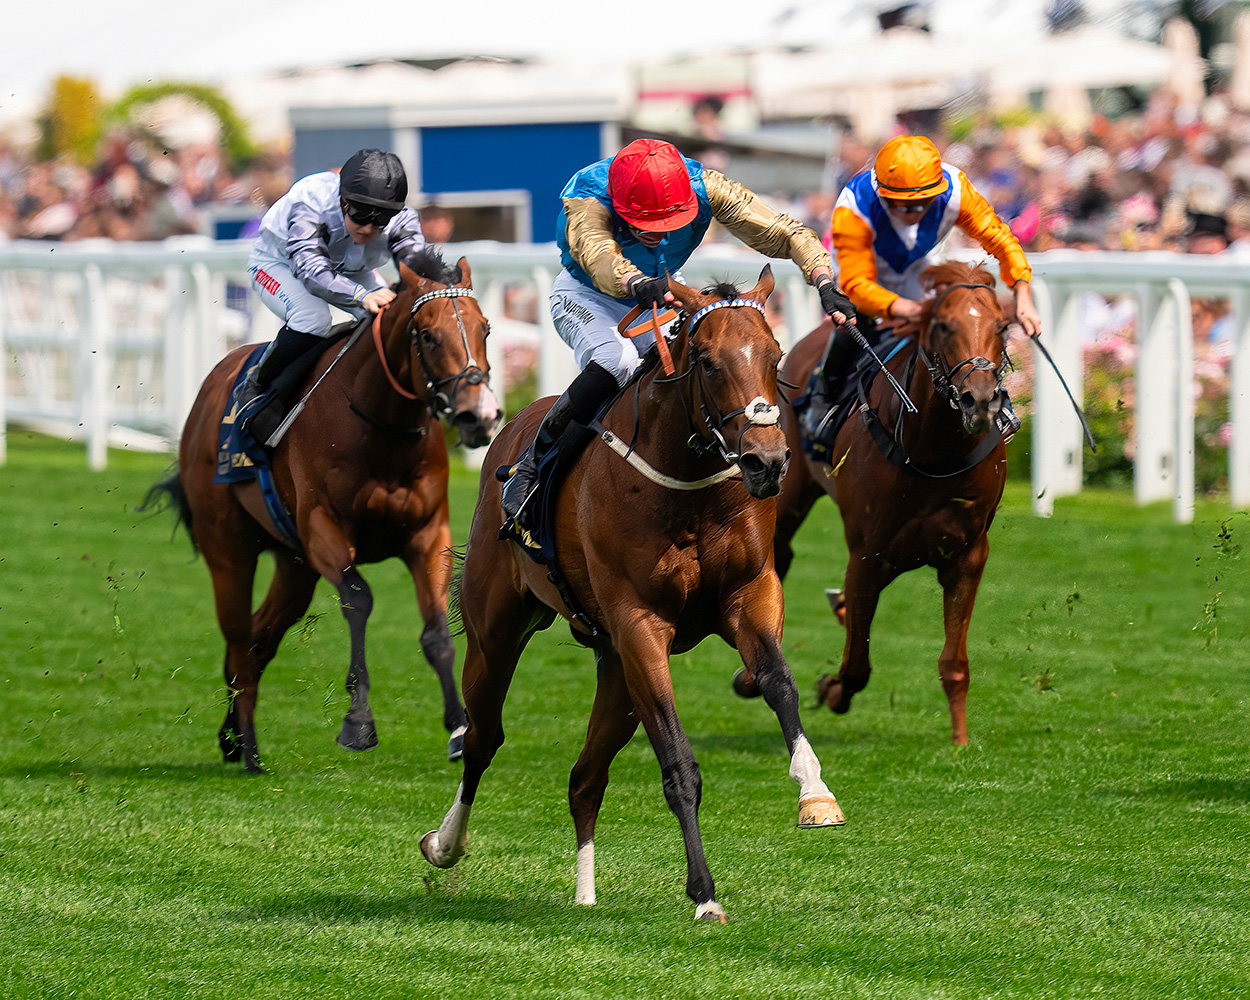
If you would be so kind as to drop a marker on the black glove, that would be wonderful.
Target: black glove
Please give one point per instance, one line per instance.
(832, 301)
(649, 291)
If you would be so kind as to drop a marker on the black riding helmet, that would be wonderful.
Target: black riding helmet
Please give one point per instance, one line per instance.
(374, 177)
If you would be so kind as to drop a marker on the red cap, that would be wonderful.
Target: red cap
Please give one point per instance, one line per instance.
(650, 186)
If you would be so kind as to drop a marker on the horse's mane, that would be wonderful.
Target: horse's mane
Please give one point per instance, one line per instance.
(723, 290)
(428, 263)
(951, 272)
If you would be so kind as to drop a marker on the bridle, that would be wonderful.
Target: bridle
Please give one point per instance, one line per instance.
(441, 403)
(759, 411)
(948, 383)
(949, 380)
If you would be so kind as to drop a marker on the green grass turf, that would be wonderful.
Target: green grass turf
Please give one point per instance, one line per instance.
(1092, 840)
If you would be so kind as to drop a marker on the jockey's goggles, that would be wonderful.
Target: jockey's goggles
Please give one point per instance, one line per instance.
(368, 215)
(908, 207)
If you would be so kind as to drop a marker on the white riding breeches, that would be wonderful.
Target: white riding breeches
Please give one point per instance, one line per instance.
(586, 320)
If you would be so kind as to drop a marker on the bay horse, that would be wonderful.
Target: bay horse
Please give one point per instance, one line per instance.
(931, 500)
(663, 537)
(363, 474)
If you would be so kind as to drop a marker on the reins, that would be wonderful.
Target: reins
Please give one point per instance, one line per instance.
(759, 411)
(948, 388)
(440, 403)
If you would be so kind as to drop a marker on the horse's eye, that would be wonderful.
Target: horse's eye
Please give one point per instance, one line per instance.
(709, 368)
(428, 340)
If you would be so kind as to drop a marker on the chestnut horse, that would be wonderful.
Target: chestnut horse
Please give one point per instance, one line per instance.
(663, 532)
(930, 503)
(363, 474)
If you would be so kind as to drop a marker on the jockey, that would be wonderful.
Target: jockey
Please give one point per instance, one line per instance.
(319, 246)
(627, 222)
(886, 223)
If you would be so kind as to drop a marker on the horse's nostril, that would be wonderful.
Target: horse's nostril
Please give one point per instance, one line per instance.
(968, 401)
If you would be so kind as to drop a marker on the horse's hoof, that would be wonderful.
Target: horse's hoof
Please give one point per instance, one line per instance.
(254, 766)
(711, 910)
(820, 810)
(744, 684)
(455, 746)
(430, 850)
(231, 748)
(358, 736)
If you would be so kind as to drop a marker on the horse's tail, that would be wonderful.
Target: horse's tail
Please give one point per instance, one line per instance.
(169, 493)
(455, 620)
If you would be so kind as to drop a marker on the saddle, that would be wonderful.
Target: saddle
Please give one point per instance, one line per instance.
(240, 457)
(854, 386)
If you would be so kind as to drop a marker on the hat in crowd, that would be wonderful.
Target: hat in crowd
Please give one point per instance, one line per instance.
(1207, 224)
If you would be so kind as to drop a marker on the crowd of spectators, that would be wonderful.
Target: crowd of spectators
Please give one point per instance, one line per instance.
(130, 192)
(1168, 177)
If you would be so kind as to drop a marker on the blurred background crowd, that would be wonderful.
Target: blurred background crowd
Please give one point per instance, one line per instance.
(1165, 177)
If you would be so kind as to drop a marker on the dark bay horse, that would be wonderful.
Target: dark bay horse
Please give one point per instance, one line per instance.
(659, 549)
(363, 474)
(934, 508)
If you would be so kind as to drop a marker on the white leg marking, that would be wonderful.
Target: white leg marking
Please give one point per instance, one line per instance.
(817, 806)
(711, 910)
(585, 874)
(446, 845)
(805, 769)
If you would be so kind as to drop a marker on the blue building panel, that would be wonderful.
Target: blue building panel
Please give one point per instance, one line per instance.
(539, 158)
(328, 149)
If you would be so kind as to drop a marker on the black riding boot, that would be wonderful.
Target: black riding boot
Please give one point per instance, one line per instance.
(840, 355)
(287, 347)
(579, 403)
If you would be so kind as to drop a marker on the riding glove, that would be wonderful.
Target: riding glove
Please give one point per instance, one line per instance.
(832, 301)
(649, 291)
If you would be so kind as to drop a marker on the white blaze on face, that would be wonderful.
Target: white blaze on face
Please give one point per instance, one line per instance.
(746, 352)
(972, 311)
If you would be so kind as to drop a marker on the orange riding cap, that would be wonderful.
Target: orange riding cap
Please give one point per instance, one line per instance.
(909, 168)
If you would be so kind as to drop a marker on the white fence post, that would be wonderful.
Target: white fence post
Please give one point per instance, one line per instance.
(1155, 454)
(1239, 402)
(95, 365)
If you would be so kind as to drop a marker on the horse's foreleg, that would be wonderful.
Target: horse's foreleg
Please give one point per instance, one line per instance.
(612, 723)
(644, 653)
(429, 562)
(959, 580)
(755, 622)
(356, 603)
(863, 591)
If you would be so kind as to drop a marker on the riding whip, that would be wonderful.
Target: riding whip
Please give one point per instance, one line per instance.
(1037, 340)
(860, 339)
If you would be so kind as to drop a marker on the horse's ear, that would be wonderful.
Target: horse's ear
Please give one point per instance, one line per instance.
(764, 287)
(466, 276)
(407, 275)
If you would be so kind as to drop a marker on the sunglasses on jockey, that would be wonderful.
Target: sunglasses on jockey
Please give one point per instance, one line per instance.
(368, 215)
(908, 207)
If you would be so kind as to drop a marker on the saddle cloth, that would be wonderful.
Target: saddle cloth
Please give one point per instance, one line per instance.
(859, 380)
(536, 534)
(241, 459)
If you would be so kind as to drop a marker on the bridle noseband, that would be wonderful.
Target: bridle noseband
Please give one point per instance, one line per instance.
(441, 403)
(949, 380)
(759, 412)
